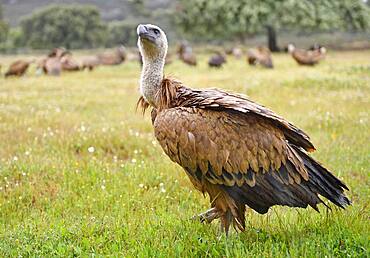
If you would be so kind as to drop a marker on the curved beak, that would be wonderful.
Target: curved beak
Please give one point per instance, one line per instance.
(144, 33)
(141, 30)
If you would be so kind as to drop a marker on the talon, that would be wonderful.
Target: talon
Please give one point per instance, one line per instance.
(207, 216)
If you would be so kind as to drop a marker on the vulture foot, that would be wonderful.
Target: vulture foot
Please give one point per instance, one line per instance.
(226, 220)
(207, 216)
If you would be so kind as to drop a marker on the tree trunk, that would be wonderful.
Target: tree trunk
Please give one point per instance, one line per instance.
(272, 40)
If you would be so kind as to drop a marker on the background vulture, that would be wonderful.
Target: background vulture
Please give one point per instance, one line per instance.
(217, 60)
(307, 57)
(52, 64)
(240, 153)
(18, 68)
(115, 57)
(90, 62)
(68, 62)
(261, 56)
(185, 53)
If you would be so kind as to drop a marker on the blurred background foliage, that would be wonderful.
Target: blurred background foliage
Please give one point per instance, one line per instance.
(37, 24)
(225, 19)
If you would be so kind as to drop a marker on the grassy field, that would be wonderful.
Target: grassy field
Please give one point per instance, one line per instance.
(82, 175)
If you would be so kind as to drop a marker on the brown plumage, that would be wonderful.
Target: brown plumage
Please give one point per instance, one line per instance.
(238, 152)
(90, 62)
(18, 68)
(115, 57)
(52, 64)
(68, 62)
(189, 58)
(235, 51)
(186, 54)
(307, 57)
(260, 56)
(216, 60)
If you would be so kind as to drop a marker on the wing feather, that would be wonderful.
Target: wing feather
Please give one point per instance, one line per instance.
(209, 152)
(220, 100)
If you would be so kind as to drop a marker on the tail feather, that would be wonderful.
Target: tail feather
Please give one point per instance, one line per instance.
(324, 181)
(272, 188)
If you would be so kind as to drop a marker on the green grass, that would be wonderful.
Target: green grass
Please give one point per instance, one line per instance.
(128, 199)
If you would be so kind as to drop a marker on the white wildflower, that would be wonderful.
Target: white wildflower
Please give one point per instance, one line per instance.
(91, 149)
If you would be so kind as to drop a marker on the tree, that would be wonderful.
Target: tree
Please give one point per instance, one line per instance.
(240, 18)
(71, 26)
(122, 32)
(4, 28)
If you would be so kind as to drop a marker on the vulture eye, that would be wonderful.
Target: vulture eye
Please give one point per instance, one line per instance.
(156, 31)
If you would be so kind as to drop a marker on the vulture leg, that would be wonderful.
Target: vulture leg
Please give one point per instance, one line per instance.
(208, 216)
(226, 220)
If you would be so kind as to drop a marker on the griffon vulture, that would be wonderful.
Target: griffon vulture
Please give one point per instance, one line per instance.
(239, 152)
(69, 63)
(307, 57)
(115, 57)
(261, 56)
(185, 53)
(90, 62)
(52, 64)
(217, 60)
(18, 68)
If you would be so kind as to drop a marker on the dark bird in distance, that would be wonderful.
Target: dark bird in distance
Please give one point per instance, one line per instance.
(307, 57)
(238, 152)
(217, 60)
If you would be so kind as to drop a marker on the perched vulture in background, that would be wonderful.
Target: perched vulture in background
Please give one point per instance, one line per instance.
(237, 52)
(307, 57)
(229, 51)
(185, 53)
(52, 64)
(90, 63)
(261, 56)
(217, 60)
(315, 46)
(189, 58)
(68, 62)
(239, 152)
(115, 57)
(18, 68)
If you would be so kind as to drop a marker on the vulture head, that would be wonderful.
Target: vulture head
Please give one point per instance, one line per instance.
(322, 50)
(152, 42)
(291, 48)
